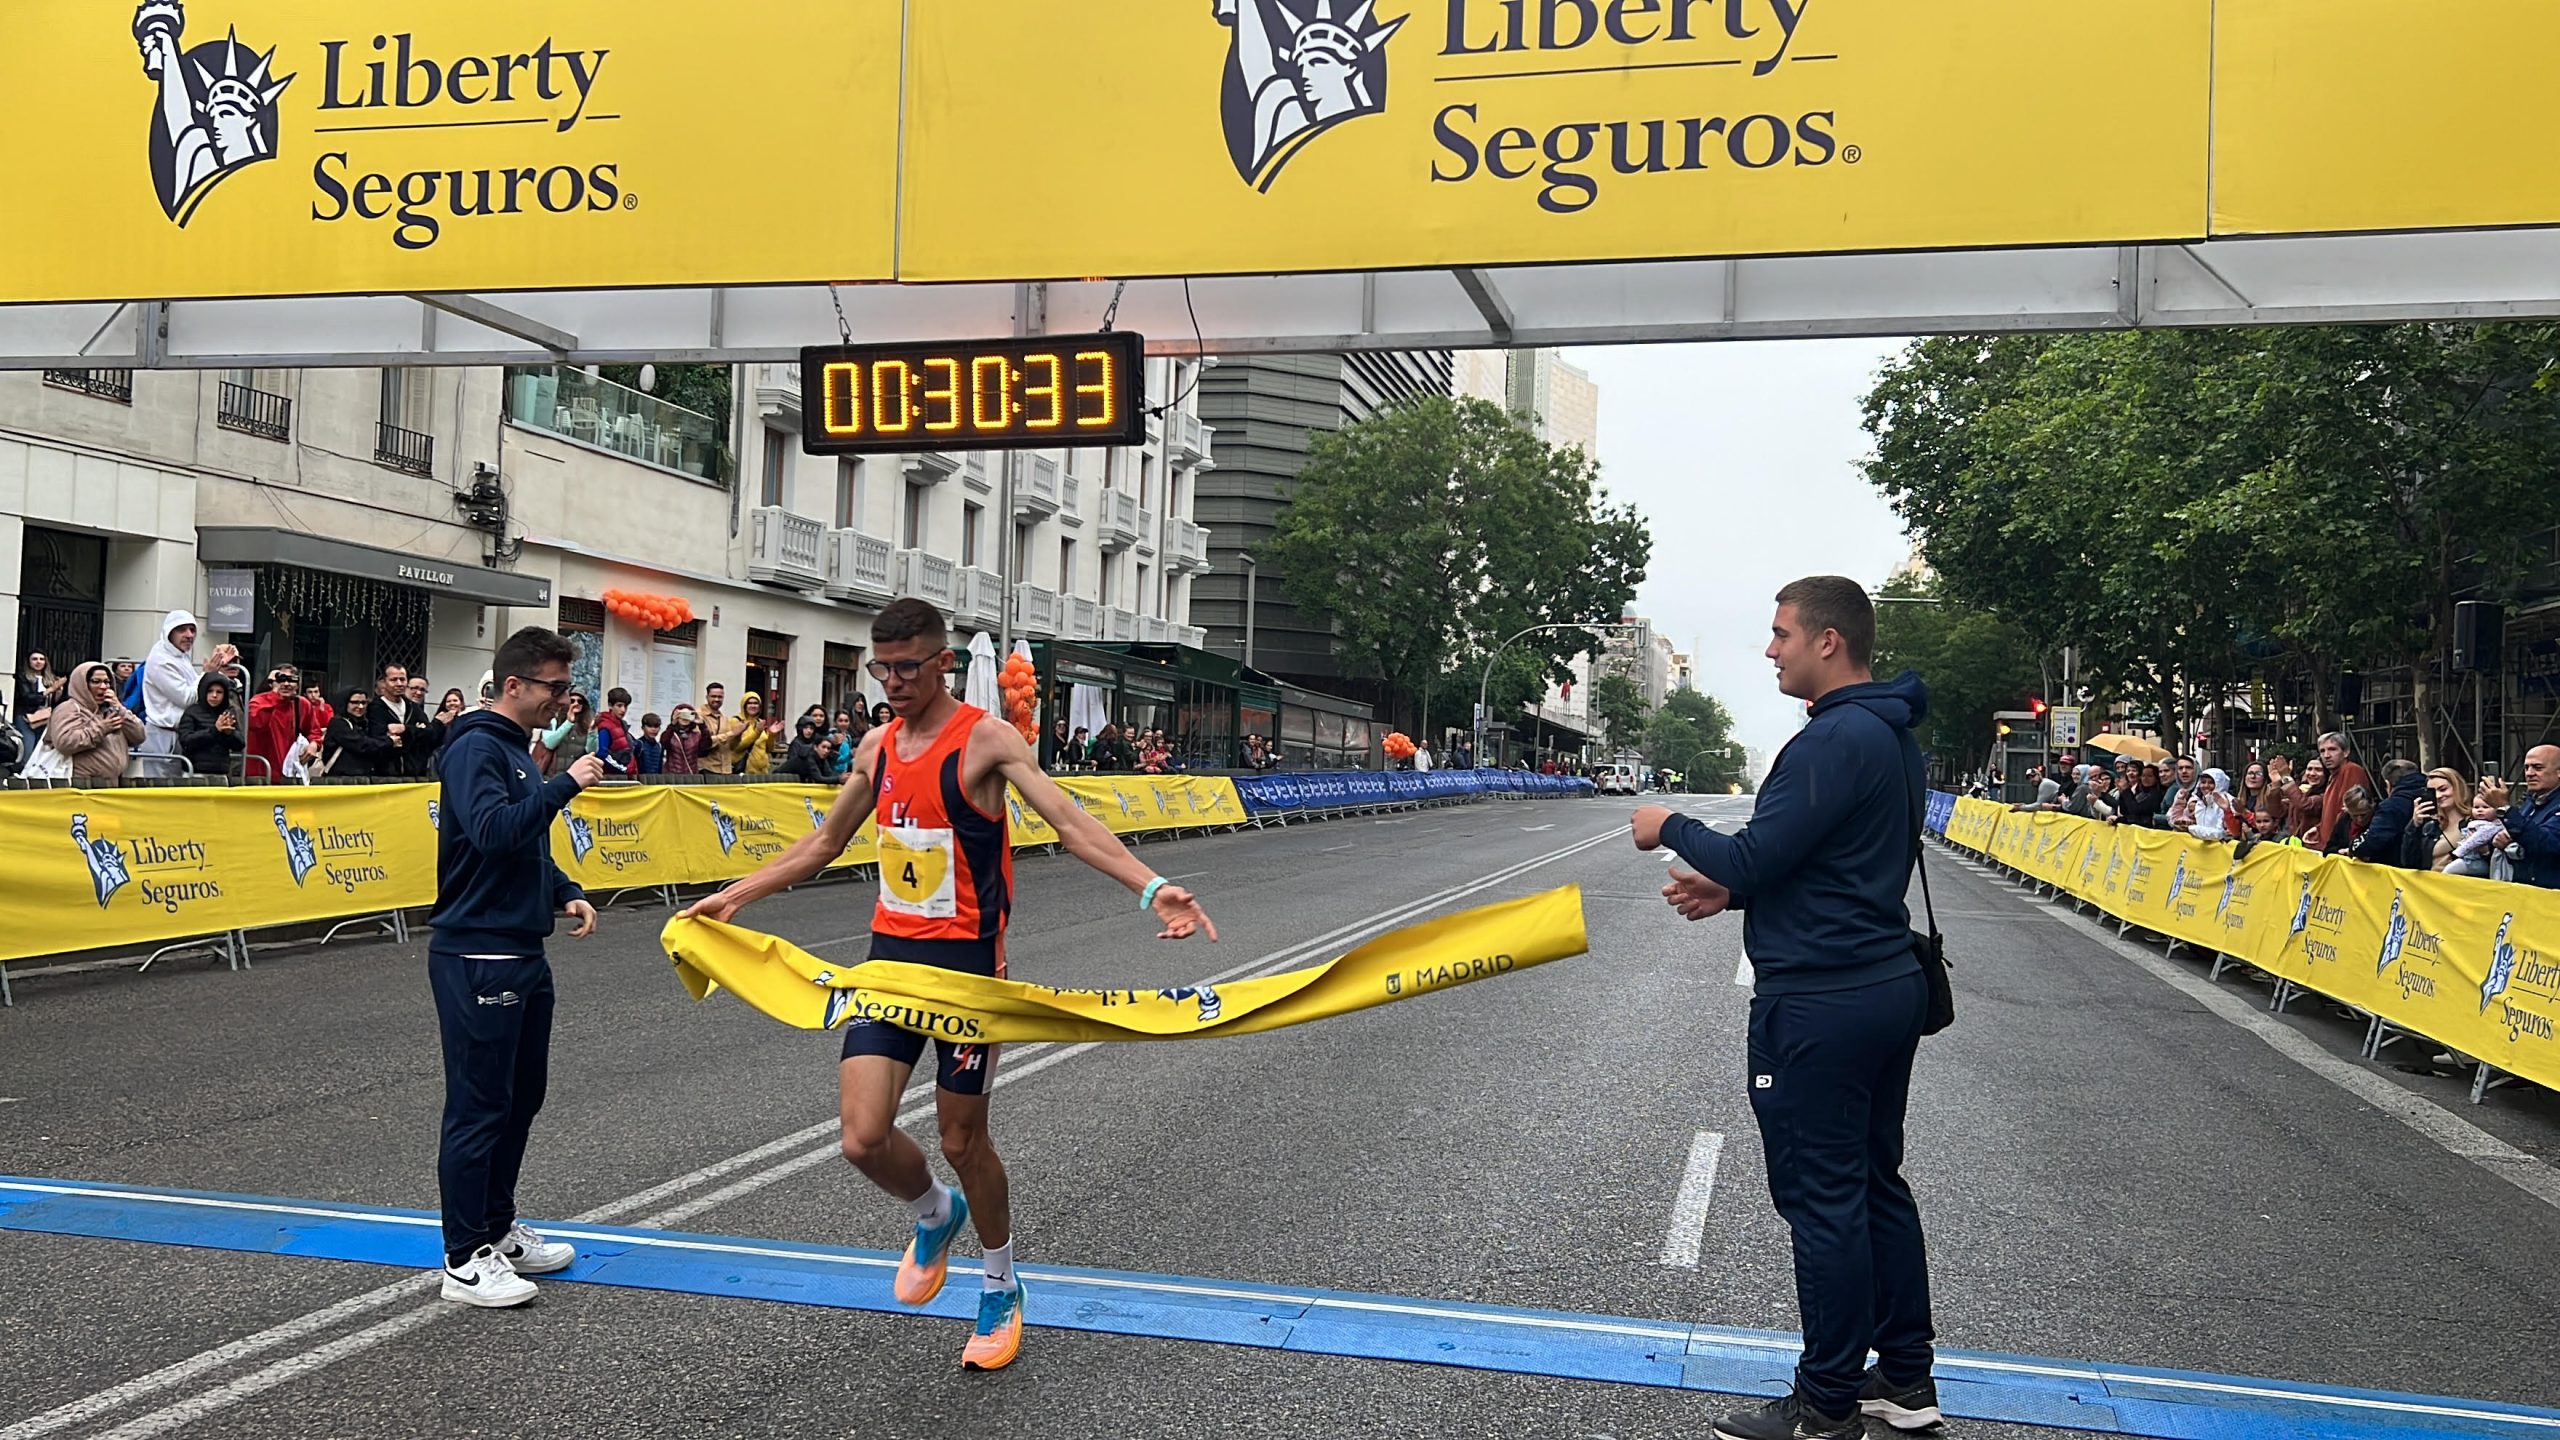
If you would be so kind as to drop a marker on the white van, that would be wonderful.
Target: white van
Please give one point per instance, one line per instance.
(1618, 780)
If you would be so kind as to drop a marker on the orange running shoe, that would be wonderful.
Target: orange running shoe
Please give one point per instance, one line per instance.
(999, 1336)
(927, 1262)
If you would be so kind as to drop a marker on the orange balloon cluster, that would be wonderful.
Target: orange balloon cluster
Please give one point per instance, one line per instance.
(1021, 686)
(658, 612)
(1398, 745)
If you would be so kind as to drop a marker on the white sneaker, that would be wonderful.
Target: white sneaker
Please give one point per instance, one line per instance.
(488, 1281)
(530, 1254)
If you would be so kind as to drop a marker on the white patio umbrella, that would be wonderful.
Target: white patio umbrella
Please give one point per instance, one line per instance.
(981, 689)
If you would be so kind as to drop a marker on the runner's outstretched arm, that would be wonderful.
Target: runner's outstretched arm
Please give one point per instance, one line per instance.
(809, 854)
(1086, 838)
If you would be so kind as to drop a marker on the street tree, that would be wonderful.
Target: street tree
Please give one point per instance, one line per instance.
(1974, 663)
(1432, 531)
(1619, 705)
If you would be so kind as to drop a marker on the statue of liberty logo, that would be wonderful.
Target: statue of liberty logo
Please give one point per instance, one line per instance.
(435, 815)
(217, 107)
(2178, 880)
(107, 872)
(817, 817)
(1295, 69)
(2502, 966)
(2230, 882)
(582, 835)
(299, 851)
(2301, 912)
(728, 828)
(1210, 1005)
(2394, 938)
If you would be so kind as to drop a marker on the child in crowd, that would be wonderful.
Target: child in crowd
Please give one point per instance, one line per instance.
(652, 751)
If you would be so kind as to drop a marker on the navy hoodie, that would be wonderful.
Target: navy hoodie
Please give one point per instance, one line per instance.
(1821, 870)
(497, 890)
(2391, 821)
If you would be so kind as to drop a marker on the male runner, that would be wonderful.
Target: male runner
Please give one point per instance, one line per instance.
(937, 774)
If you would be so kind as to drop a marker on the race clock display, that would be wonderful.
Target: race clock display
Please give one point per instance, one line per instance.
(1042, 392)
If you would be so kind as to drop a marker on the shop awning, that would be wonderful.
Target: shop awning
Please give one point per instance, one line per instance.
(255, 545)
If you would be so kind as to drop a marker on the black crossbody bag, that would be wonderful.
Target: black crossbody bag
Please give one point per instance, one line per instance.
(1932, 947)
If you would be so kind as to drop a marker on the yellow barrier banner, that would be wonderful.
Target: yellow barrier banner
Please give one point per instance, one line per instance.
(165, 864)
(794, 987)
(2296, 146)
(1500, 131)
(2448, 957)
(288, 147)
(95, 868)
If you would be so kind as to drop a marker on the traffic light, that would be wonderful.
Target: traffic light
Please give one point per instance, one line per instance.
(2036, 706)
(2004, 727)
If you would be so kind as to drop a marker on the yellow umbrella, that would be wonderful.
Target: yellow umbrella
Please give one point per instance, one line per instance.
(2132, 747)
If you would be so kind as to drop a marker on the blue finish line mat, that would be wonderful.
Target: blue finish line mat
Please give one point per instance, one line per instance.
(2106, 1399)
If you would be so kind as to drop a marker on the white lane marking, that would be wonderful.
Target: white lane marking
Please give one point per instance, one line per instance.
(1534, 829)
(1743, 974)
(1689, 1207)
(293, 1367)
(1333, 849)
(13, 1099)
(2447, 1130)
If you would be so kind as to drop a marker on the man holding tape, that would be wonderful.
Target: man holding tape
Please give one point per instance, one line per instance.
(937, 774)
(1837, 1011)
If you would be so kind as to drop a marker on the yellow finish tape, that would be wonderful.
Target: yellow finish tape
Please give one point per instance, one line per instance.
(798, 989)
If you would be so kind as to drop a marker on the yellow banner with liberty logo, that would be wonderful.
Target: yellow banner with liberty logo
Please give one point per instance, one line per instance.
(100, 868)
(2458, 960)
(96, 868)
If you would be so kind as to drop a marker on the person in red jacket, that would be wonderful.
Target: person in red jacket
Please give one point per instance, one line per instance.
(613, 733)
(277, 715)
(2344, 775)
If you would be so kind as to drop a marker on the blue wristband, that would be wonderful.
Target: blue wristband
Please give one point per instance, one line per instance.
(1147, 897)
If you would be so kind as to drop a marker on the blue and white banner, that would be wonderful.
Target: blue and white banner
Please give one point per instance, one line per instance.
(1942, 808)
(1349, 789)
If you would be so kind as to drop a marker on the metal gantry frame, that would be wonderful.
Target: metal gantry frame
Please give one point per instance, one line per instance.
(2458, 275)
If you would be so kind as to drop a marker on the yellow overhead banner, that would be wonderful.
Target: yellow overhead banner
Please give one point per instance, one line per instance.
(192, 148)
(1222, 136)
(2347, 115)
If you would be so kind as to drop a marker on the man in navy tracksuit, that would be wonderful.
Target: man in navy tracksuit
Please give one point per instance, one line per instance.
(496, 892)
(1836, 1013)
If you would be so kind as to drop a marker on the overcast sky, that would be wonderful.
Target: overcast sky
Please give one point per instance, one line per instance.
(1744, 456)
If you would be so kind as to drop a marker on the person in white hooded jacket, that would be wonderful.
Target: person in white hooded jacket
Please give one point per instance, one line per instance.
(169, 679)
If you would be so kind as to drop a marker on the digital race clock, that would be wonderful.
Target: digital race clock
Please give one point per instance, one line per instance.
(1034, 393)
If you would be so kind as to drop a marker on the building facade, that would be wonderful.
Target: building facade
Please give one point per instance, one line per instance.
(347, 519)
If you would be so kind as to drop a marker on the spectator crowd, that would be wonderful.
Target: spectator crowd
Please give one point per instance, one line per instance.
(2415, 819)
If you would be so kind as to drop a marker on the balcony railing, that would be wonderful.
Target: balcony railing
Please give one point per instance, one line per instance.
(1186, 440)
(1120, 625)
(1035, 489)
(1070, 498)
(927, 576)
(406, 451)
(932, 467)
(253, 412)
(592, 410)
(1186, 546)
(777, 387)
(858, 566)
(785, 548)
(1035, 611)
(1191, 635)
(977, 596)
(1146, 529)
(1119, 528)
(1153, 629)
(1084, 619)
(978, 469)
(116, 385)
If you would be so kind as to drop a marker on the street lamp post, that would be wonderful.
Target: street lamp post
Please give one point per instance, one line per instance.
(1484, 689)
(1252, 582)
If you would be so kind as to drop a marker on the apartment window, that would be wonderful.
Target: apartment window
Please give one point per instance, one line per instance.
(1066, 567)
(1145, 597)
(842, 689)
(848, 493)
(911, 532)
(1111, 470)
(1147, 481)
(1110, 578)
(777, 455)
(245, 404)
(970, 515)
(400, 441)
(769, 669)
(1022, 554)
(116, 385)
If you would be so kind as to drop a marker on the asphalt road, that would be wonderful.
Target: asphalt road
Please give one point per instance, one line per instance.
(2112, 1171)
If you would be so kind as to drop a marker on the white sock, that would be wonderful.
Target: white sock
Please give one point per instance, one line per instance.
(1000, 1267)
(933, 1206)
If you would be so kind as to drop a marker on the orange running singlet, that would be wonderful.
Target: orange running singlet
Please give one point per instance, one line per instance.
(946, 867)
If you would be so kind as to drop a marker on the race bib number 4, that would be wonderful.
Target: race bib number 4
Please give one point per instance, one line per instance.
(916, 873)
